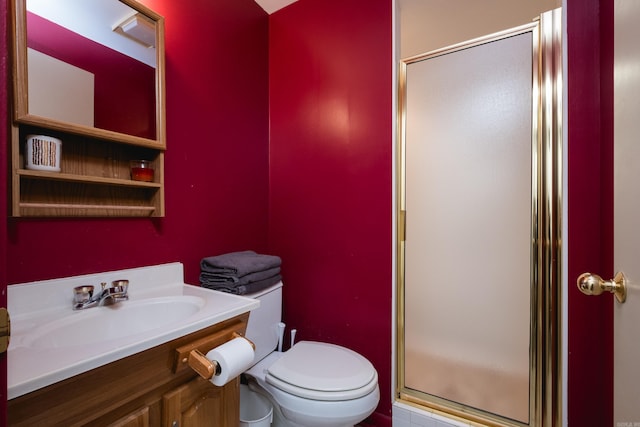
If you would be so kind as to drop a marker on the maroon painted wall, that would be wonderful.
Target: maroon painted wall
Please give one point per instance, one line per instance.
(330, 173)
(216, 168)
(590, 174)
(124, 88)
(4, 173)
(330, 180)
(330, 84)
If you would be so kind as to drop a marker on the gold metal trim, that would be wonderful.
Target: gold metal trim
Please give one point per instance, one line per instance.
(549, 413)
(546, 231)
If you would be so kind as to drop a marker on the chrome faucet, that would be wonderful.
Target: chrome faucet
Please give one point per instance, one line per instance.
(84, 297)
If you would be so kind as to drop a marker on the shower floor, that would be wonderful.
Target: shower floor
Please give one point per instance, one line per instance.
(483, 388)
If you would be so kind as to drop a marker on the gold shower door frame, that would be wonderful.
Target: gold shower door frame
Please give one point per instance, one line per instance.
(545, 366)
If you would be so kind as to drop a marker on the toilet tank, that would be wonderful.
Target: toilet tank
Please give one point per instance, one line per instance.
(262, 328)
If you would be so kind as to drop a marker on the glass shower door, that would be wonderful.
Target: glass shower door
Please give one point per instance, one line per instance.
(471, 283)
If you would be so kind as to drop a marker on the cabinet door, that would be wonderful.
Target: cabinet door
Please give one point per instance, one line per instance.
(199, 403)
(139, 418)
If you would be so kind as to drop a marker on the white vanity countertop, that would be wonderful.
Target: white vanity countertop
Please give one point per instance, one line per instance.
(51, 342)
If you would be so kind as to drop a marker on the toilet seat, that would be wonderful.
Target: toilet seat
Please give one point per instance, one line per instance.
(323, 372)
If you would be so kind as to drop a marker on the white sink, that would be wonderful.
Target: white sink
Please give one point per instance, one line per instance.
(51, 342)
(100, 324)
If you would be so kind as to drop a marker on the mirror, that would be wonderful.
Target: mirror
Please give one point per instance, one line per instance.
(91, 67)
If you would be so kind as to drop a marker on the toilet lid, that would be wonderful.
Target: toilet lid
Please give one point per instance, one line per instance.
(323, 371)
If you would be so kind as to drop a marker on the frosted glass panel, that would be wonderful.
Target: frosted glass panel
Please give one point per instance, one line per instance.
(468, 218)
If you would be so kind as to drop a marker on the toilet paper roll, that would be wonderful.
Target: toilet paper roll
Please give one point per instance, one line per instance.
(233, 357)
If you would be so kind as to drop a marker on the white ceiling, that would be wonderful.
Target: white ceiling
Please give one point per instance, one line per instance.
(94, 20)
(271, 6)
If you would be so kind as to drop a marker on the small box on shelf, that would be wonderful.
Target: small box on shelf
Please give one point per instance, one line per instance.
(42, 152)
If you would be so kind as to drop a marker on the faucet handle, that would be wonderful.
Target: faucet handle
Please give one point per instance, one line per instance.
(122, 285)
(82, 294)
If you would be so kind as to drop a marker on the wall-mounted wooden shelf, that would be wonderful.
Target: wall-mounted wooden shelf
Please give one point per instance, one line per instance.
(94, 180)
(54, 176)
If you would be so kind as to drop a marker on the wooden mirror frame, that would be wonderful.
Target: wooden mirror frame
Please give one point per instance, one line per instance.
(21, 94)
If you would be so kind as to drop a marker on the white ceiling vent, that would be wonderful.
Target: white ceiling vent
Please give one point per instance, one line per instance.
(138, 28)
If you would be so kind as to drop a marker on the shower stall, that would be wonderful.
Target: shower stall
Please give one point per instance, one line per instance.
(479, 227)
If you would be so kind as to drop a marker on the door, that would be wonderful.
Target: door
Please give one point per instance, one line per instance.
(626, 218)
(478, 223)
(468, 203)
(198, 403)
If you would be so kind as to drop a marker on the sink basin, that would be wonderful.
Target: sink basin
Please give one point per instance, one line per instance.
(51, 342)
(117, 321)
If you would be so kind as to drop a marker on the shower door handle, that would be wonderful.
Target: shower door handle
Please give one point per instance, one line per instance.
(592, 284)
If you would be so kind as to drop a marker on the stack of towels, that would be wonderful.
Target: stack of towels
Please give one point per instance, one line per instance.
(240, 272)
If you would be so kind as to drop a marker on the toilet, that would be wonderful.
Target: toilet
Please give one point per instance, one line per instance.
(313, 384)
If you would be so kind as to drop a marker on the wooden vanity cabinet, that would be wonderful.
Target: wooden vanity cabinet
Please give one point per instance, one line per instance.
(150, 388)
(197, 404)
(139, 418)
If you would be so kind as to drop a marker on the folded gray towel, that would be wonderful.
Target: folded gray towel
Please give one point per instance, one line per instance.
(239, 263)
(244, 289)
(233, 280)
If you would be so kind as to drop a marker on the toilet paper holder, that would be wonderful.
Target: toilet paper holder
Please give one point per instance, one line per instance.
(206, 368)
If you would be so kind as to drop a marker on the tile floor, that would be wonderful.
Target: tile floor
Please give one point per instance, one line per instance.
(408, 416)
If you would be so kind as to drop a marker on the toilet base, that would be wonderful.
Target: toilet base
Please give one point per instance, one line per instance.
(284, 417)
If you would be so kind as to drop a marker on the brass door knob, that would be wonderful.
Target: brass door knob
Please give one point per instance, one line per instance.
(592, 284)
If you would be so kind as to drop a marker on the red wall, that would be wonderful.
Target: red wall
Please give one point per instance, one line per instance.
(590, 174)
(4, 163)
(329, 181)
(216, 161)
(330, 84)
